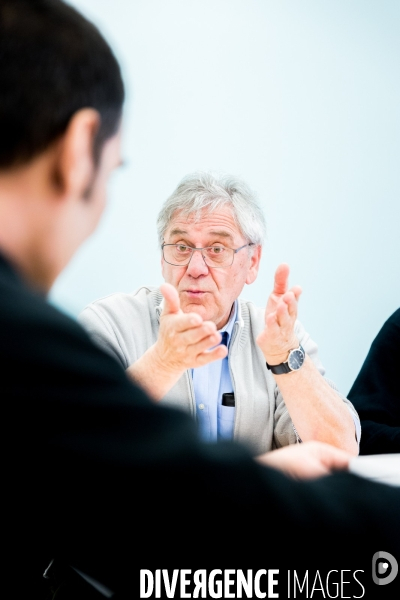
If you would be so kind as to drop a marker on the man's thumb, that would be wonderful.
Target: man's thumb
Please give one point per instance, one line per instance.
(171, 299)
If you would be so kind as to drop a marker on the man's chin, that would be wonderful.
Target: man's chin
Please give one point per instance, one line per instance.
(197, 307)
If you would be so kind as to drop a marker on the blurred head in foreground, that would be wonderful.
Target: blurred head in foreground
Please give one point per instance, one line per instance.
(60, 112)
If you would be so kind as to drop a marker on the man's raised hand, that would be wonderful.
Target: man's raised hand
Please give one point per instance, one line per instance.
(185, 341)
(278, 336)
(281, 284)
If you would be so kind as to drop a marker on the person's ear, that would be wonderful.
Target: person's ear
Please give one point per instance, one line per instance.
(254, 265)
(75, 168)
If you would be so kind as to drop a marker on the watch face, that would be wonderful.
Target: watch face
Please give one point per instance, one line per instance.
(296, 359)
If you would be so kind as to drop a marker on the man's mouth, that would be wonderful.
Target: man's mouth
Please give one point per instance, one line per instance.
(195, 293)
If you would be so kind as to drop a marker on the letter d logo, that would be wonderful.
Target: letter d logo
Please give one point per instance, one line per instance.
(382, 563)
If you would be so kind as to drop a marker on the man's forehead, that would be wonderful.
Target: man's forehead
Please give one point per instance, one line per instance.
(219, 221)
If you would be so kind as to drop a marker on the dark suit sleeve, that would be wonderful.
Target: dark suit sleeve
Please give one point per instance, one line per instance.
(107, 481)
(376, 392)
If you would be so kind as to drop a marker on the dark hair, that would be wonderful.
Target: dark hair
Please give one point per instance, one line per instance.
(53, 62)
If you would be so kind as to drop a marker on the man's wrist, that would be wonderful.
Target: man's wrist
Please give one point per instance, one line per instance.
(294, 362)
(276, 359)
(161, 367)
(281, 355)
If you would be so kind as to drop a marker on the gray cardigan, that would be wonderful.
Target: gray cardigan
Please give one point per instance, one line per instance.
(126, 325)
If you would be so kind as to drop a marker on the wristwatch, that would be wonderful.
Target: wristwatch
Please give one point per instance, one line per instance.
(294, 362)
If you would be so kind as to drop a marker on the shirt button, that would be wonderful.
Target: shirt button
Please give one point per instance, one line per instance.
(201, 406)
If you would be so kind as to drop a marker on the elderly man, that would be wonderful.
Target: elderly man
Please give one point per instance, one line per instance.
(94, 473)
(244, 372)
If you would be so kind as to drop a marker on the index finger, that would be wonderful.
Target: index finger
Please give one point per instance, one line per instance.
(171, 299)
(281, 279)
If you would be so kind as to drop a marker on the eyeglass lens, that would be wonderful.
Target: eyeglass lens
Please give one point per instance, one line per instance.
(214, 256)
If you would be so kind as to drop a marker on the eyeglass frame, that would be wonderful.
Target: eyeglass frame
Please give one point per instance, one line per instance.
(235, 250)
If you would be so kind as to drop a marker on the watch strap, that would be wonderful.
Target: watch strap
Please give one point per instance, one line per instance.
(279, 369)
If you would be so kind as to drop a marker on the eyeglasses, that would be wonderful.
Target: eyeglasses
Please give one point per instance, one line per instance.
(180, 255)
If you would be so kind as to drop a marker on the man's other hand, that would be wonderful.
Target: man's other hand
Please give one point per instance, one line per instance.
(185, 341)
(278, 336)
(306, 461)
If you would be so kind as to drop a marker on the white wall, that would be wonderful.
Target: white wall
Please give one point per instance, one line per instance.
(301, 99)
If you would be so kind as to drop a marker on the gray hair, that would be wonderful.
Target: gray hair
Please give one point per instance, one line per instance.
(205, 190)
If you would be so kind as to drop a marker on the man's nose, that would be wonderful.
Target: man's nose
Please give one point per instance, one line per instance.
(197, 266)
